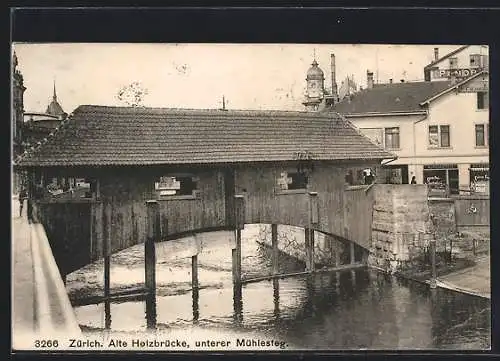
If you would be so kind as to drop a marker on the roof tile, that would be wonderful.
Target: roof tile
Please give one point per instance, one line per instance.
(389, 98)
(99, 135)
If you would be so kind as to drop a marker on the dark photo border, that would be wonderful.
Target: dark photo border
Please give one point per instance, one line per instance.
(277, 24)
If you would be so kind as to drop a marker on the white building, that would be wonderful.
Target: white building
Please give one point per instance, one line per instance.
(437, 128)
(458, 65)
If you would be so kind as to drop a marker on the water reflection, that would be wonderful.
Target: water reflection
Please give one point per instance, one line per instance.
(238, 303)
(276, 299)
(151, 310)
(196, 304)
(337, 310)
(107, 312)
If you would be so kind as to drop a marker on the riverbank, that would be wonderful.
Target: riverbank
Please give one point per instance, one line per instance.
(466, 276)
(474, 280)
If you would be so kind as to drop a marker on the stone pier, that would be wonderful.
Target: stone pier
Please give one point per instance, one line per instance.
(400, 212)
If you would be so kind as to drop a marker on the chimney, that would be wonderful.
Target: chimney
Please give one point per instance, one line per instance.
(335, 93)
(436, 54)
(390, 81)
(369, 79)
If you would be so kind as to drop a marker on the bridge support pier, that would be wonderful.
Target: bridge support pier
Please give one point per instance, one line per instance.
(153, 235)
(107, 264)
(239, 211)
(274, 243)
(309, 242)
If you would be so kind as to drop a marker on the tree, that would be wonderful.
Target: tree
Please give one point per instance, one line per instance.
(132, 94)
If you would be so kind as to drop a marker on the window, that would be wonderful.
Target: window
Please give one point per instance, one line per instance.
(453, 63)
(475, 60)
(392, 138)
(481, 135)
(482, 100)
(434, 136)
(176, 186)
(292, 180)
(439, 136)
(445, 135)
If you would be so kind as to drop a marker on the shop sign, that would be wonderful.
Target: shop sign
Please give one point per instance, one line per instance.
(458, 73)
(167, 186)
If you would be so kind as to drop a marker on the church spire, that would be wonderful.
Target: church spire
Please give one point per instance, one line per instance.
(54, 107)
(54, 96)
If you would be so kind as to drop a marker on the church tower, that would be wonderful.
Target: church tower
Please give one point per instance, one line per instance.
(17, 120)
(315, 90)
(17, 107)
(54, 108)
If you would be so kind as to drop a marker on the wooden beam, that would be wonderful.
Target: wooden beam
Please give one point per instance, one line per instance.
(153, 235)
(107, 263)
(275, 254)
(309, 244)
(337, 254)
(194, 272)
(240, 224)
(294, 274)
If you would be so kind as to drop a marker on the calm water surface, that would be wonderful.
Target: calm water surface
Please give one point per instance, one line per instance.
(349, 310)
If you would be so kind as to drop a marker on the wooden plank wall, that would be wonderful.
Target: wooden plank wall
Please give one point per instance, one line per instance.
(69, 232)
(358, 215)
(127, 195)
(265, 203)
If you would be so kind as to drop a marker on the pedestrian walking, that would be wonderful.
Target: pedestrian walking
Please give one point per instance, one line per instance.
(22, 196)
(413, 180)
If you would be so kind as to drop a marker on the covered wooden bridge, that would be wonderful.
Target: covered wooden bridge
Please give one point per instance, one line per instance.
(199, 165)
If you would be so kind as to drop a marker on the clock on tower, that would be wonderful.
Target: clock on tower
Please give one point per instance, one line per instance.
(315, 86)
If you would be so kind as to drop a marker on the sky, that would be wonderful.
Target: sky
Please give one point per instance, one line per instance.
(249, 76)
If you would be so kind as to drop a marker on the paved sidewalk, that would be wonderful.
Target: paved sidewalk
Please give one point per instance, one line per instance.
(22, 273)
(473, 280)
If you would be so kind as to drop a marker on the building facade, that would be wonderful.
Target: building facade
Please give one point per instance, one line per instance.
(459, 64)
(438, 128)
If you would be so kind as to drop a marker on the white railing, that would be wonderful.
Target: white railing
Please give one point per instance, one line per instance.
(53, 311)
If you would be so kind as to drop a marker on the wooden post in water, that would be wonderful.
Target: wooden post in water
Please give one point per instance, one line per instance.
(153, 235)
(432, 244)
(106, 248)
(240, 224)
(313, 223)
(276, 298)
(274, 242)
(239, 208)
(194, 272)
(337, 253)
(307, 241)
(311, 253)
(195, 284)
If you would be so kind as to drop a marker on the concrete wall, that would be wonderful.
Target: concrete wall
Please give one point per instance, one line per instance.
(399, 212)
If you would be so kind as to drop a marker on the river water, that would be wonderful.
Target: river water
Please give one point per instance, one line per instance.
(351, 310)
